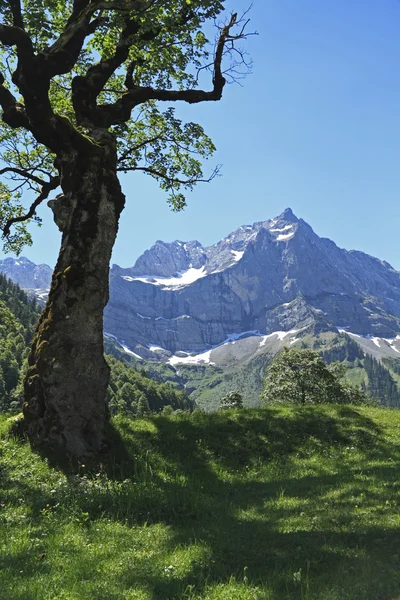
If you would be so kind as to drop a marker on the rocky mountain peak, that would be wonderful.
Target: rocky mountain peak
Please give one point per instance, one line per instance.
(252, 281)
(273, 276)
(26, 273)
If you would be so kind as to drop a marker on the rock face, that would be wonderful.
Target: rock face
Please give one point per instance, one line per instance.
(274, 275)
(26, 273)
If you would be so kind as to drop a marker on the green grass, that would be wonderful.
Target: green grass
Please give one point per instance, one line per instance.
(282, 503)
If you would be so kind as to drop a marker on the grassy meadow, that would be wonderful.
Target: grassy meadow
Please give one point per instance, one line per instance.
(274, 503)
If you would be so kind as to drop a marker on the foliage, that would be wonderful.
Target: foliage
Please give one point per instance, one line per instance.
(133, 392)
(130, 391)
(232, 400)
(18, 316)
(283, 502)
(73, 68)
(301, 376)
(381, 384)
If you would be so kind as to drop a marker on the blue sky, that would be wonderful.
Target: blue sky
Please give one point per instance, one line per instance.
(316, 127)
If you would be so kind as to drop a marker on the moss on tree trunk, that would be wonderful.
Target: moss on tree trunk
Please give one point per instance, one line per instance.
(65, 388)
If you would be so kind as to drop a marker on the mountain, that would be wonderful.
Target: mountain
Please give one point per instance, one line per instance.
(210, 318)
(273, 276)
(27, 274)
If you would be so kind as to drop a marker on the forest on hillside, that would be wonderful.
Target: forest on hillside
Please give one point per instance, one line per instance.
(137, 389)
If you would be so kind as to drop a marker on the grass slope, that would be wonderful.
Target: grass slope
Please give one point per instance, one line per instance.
(277, 503)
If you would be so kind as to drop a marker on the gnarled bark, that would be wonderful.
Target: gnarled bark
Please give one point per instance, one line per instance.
(65, 388)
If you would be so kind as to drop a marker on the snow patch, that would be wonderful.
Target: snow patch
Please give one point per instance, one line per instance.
(233, 337)
(130, 352)
(237, 255)
(282, 237)
(184, 278)
(110, 335)
(153, 348)
(192, 359)
(279, 334)
(142, 317)
(277, 229)
(374, 339)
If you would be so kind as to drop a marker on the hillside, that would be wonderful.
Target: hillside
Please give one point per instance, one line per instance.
(18, 318)
(242, 369)
(131, 391)
(265, 504)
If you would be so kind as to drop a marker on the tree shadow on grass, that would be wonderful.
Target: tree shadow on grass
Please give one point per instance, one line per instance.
(191, 474)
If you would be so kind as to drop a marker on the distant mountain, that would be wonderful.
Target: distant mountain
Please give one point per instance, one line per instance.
(273, 276)
(228, 308)
(27, 274)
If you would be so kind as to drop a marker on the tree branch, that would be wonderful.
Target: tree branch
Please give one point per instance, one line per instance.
(17, 13)
(120, 111)
(132, 149)
(172, 180)
(16, 36)
(23, 173)
(63, 54)
(46, 189)
(13, 112)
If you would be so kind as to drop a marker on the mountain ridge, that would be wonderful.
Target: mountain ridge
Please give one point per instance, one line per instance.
(247, 281)
(180, 298)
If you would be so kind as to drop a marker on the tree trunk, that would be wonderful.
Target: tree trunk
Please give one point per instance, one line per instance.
(66, 384)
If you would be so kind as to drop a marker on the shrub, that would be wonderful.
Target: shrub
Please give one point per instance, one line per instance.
(232, 400)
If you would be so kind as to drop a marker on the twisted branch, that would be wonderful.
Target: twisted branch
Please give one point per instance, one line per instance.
(47, 187)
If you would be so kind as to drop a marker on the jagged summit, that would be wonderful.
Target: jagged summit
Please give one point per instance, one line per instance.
(276, 275)
(287, 215)
(173, 259)
(267, 279)
(26, 273)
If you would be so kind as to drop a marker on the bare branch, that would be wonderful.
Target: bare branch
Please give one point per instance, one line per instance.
(46, 189)
(174, 180)
(120, 111)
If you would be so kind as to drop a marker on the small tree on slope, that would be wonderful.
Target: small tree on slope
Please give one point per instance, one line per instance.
(300, 376)
(80, 86)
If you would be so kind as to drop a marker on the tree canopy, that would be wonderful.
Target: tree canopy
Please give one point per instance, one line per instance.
(69, 68)
(81, 88)
(301, 376)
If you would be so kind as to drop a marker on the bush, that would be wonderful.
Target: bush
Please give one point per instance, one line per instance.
(232, 400)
